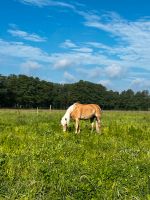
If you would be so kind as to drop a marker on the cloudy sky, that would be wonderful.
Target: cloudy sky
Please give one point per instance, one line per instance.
(64, 41)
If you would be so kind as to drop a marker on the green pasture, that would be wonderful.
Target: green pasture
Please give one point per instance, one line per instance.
(40, 162)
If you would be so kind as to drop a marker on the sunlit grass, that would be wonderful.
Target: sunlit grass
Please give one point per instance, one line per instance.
(39, 161)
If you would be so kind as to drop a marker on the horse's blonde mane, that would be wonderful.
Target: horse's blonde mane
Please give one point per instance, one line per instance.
(66, 116)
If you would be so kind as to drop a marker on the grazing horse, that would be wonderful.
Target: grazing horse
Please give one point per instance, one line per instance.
(79, 111)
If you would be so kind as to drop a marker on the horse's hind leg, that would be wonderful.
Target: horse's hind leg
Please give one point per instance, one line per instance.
(97, 125)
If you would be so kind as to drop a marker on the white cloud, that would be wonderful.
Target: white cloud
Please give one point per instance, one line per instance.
(59, 60)
(140, 84)
(99, 45)
(68, 44)
(114, 71)
(29, 66)
(95, 72)
(88, 15)
(41, 3)
(69, 77)
(27, 36)
(132, 37)
(20, 50)
(79, 48)
(106, 83)
(84, 49)
(92, 66)
(131, 47)
(61, 63)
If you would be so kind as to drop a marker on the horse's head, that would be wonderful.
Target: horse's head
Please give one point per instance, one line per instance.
(64, 124)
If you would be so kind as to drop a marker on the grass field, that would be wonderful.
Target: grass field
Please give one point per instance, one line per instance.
(40, 162)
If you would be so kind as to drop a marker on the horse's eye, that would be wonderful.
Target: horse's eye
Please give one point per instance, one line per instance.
(66, 119)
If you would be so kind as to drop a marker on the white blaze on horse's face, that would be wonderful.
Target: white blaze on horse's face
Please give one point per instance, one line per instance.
(64, 124)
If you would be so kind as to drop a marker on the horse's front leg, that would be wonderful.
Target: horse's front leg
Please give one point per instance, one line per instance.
(77, 127)
(98, 125)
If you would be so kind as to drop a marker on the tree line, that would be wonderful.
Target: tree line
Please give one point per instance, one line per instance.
(21, 91)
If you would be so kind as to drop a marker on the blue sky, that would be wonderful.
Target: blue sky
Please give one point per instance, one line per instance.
(105, 42)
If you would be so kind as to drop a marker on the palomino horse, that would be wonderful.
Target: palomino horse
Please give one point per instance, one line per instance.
(79, 111)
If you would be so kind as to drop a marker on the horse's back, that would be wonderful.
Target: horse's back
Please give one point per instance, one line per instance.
(86, 111)
(97, 107)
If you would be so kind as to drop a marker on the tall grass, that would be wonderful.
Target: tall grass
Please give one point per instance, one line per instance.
(40, 162)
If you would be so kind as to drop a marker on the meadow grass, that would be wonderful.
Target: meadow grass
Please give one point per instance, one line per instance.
(40, 162)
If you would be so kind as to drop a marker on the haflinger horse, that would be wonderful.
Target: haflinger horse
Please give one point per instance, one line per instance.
(79, 112)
